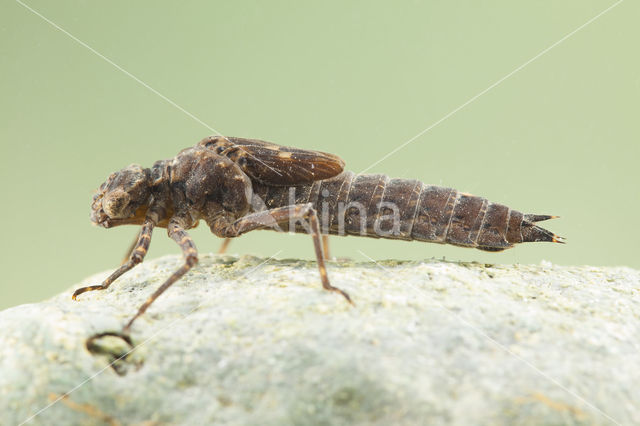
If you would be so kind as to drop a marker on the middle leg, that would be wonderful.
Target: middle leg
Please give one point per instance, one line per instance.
(224, 245)
(179, 235)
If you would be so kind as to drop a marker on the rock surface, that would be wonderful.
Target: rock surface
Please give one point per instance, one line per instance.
(250, 341)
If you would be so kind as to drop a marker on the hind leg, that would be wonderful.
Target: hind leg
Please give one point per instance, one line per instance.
(269, 218)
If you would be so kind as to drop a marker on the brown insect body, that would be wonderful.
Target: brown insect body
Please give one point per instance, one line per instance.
(238, 185)
(425, 212)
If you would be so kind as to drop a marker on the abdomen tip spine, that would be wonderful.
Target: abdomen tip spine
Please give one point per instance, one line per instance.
(534, 233)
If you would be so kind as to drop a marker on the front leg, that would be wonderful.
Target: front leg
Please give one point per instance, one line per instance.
(137, 253)
(268, 218)
(176, 230)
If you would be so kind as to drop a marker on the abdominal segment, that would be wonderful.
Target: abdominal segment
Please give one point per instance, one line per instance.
(377, 206)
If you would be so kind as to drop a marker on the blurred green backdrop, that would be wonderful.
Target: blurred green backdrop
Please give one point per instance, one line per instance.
(560, 136)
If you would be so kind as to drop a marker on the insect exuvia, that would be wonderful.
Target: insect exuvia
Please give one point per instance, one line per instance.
(239, 185)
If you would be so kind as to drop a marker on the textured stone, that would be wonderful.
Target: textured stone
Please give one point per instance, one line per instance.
(250, 341)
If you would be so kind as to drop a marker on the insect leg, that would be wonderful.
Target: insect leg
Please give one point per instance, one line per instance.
(325, 246)
(137, 253)
(223, 247)
(266, 218)
(180, 236)
(127, 255)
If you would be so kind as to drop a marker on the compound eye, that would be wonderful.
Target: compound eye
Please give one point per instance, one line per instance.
(115, 203)
(220, 149)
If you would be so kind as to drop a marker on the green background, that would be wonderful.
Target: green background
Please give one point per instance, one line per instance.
(559, 136)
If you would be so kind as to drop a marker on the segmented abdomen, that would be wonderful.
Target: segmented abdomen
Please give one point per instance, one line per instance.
(407, 209)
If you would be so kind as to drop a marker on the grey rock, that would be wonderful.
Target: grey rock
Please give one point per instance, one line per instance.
(243, 340)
